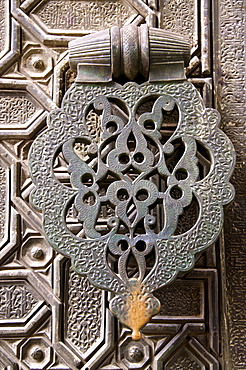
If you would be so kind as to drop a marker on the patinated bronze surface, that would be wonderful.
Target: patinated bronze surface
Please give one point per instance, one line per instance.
(52, 317)
(145, 178)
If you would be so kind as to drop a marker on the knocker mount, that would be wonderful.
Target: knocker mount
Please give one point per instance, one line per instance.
(137, 158)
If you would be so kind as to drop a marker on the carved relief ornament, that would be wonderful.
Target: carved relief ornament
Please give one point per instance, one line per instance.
(130, 180)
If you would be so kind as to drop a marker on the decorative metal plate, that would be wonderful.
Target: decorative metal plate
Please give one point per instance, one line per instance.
(129, 169)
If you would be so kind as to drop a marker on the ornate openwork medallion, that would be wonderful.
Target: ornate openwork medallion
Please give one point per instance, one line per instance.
(118, 170)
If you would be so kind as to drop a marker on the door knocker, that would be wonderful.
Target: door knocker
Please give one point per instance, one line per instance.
(135, 158)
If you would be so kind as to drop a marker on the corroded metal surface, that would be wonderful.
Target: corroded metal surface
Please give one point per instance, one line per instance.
(131, 157)
(129, 52)
(53, 333)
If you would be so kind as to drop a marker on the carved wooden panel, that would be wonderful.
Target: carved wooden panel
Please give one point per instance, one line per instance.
(78, 16)
(52, 318)
(230, 67)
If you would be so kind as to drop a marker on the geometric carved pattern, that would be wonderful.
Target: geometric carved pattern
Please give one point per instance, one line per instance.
(21, 107)
(185, 362)
(82, 15)
(2, 202)
(15, 110)
(3, 25)
(166, 333)
(180, 17)
(16, 301)
(9, 37)
(191, 19)
(37, 354)
(35, 252)
(84, 312)
(230, 85)
(181, 299)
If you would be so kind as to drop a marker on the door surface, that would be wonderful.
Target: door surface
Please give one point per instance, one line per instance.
(52, 318)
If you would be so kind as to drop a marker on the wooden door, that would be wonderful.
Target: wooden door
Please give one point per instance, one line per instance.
(52, 318)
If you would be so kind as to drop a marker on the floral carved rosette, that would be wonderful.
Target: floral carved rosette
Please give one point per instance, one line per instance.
(127, 164)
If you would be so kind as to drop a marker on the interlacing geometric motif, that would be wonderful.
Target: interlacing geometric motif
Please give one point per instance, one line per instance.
(144, 175)
(50, 316)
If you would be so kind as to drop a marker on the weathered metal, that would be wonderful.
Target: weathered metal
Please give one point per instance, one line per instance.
(125, 169)
(129, 51)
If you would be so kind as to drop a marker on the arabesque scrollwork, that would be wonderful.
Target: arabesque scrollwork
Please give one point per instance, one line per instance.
(128, 189)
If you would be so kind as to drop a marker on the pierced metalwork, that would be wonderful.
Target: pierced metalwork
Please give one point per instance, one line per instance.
(155, 151)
